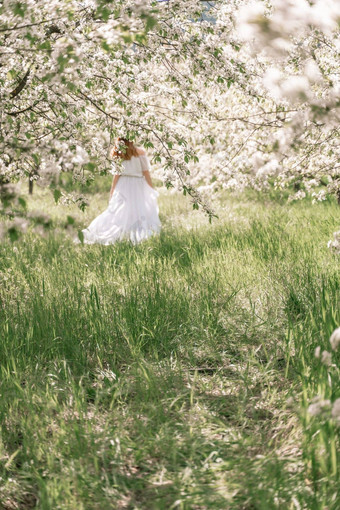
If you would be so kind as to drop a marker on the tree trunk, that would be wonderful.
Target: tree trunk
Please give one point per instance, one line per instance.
(34, 172)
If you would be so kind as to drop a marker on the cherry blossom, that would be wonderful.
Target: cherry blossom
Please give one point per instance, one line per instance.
(224, 95)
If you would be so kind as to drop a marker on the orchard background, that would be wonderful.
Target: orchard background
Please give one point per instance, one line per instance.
(201, 368)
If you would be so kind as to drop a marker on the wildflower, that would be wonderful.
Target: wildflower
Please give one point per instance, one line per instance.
(335, 339)
(336, 410)
(317, 352)
(290, 401)
(334, 244)
(314, 409)
(326, 358)
(318, 406)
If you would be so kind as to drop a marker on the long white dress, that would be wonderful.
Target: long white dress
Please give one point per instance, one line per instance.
(132, 213)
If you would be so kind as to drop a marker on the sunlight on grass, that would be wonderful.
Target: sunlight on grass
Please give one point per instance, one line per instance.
(173, 374)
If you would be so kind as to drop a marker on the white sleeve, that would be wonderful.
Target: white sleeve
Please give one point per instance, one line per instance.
(144, 162)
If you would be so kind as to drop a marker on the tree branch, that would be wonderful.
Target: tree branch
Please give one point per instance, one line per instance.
(20, 85)
(14, 114)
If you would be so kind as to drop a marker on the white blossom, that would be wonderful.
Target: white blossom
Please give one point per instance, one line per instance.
(336, 410)
(334, 244)
(318, 406)
(326, 358)
(81, 157)
(295, 88)
(335, 339)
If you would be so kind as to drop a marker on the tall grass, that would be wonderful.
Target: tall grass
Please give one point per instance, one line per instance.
(173, 374)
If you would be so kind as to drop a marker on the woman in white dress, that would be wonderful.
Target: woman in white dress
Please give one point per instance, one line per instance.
(133, 211)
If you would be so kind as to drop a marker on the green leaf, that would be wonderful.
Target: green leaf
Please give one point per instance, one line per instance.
(70, 220)
(150, 23)
(90, 166)
(13, 233)
(12, 73)
(128, 39)
(36, 158)
(81, 236)
(19, 9)
(46, 45)
(71, 86)
(148, 145)
(105, 46)
(22, 202)
(57, 195)
(104, 13)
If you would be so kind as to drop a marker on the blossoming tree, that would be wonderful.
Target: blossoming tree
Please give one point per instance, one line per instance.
(227, 94)
(75, 74)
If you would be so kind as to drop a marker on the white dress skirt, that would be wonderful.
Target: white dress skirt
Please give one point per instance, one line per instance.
(132, 213)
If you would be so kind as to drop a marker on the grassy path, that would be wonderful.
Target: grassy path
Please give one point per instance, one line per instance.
(171, 375)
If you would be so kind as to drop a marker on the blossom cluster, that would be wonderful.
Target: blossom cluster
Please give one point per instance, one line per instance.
(334, 244)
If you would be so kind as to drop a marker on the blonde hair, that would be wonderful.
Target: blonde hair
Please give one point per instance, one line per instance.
(128, 151)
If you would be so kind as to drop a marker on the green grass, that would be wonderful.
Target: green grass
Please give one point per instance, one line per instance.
(175, 374)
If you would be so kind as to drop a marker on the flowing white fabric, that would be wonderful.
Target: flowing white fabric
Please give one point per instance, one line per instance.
(133, 210)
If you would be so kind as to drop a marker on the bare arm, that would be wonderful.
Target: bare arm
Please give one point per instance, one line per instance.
(147, 176)
(146, 173)
(114, 182)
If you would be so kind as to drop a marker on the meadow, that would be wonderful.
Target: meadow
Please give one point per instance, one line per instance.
(175, 374)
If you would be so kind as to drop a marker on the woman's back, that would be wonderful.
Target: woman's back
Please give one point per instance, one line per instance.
(136, 165)
(132, 166)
